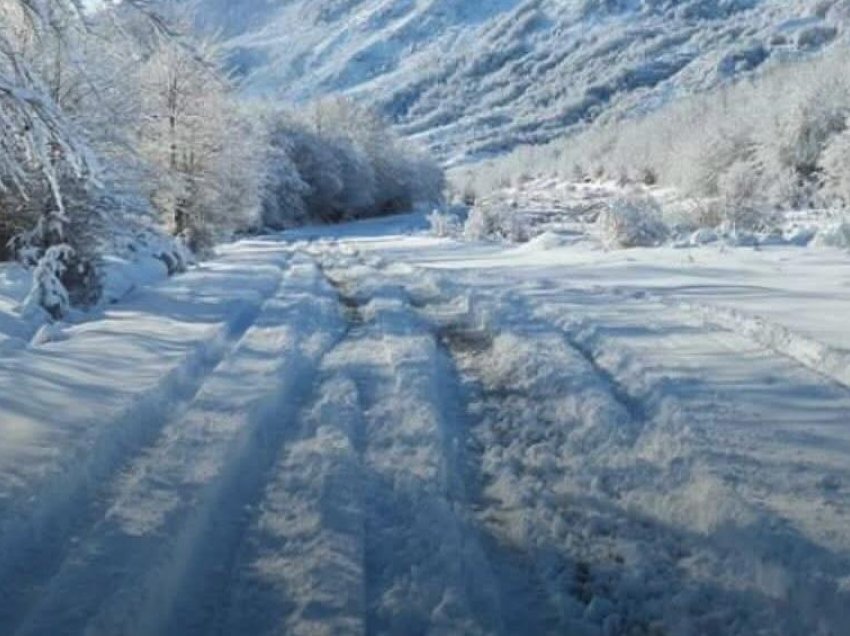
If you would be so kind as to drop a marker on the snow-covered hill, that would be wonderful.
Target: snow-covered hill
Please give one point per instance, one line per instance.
(477, 78)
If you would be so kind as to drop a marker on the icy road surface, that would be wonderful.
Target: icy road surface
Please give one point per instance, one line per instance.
(368, 431)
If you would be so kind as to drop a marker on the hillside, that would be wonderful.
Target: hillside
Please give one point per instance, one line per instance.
(473, 79)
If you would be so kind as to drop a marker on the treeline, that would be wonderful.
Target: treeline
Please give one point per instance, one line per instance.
(745, 153)
(119, 124)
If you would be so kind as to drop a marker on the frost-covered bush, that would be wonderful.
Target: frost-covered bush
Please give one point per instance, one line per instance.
(284, 191)
(444, 224)
(835, 235)
(88, 148)
(498, 220)
(744, 205)
(836, 165)
(633, 222)
(48, 292)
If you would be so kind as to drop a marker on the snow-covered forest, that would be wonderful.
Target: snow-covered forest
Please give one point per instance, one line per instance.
(475, 79)
(122, 131)
(741, 155)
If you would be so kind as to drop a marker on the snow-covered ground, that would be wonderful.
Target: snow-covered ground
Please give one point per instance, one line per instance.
(369, 430)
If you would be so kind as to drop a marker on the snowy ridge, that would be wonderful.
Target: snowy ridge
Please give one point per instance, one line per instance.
(829, 361)
(473, 79)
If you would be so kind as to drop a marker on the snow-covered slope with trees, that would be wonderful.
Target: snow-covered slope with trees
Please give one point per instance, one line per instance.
(474, 78)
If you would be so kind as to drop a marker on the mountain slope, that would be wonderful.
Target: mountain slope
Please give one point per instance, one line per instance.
(479, 78)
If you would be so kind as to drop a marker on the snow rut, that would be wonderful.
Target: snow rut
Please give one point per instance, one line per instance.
(540, 415)
(147, 566)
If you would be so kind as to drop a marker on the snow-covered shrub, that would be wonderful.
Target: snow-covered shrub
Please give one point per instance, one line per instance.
(836, 165)
(402, 174)
(284, 191)
(809, 127)
(633, 222)
(497, 220)
(744, 206)
(769, 143)
(835, 235)
(76, 165)
(48, 292)
(444, 224)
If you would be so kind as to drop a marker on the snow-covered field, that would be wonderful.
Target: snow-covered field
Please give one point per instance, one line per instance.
(367, 429)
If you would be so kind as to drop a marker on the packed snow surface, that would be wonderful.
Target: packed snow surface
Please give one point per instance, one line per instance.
(368, 430)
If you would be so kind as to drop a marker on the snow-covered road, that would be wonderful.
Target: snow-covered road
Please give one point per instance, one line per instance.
(369, 431)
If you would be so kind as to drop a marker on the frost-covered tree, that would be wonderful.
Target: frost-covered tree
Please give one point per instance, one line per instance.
(205, 152)
(402, 173)
(71, 162)
(284, 191)
(836, 165)
(46, 164)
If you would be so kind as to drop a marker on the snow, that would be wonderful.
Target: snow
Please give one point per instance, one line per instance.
(369, 429)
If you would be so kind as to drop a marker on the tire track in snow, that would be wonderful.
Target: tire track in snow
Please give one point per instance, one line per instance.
(526, 602)
(424, 570)
(204, 603)
(300, 566)
(709, 440)
(530, 392)
(33, 547)
(337, 545)
(308, 470)
(125, 575)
